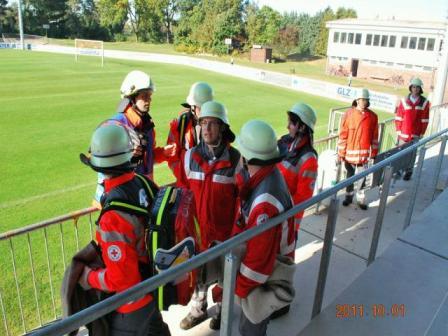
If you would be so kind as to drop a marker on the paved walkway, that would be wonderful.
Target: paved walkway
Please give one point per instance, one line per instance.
(351, 247)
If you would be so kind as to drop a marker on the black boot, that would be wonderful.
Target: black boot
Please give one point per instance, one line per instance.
(407, 176)
(363, 206)
(280, 312)
(215, 322)
(348, 200)
(190, 321)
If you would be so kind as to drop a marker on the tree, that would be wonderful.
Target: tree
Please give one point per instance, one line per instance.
(113, 15)
(320, 47)
(40, 12)
(262, 24)
(286, 40)
(343, 13)
(8, 15)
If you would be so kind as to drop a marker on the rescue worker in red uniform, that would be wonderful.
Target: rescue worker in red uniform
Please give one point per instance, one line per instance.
(209, 171)
(299, 167)
(412, 117)
(358, 143)
(133, 111)
(185, 131)
(120, 234)
(263, 195)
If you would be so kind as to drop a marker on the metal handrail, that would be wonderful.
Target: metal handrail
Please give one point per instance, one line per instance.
(27, 229)
(104, 307)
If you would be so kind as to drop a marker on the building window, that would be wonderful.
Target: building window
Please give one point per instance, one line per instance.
(358, 38)
(384, 41)
(369, 39)
(376, 40)
(408, 66)
(412, 42)
(404, 42)
(390, 64)
(441, 45)
(431, 44)
(350, 38)
(421, 43)
(336, 37)
(392, 40)
(426, 68)
(343, 37)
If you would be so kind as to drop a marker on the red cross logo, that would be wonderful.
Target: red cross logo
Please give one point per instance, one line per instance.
(114, 253)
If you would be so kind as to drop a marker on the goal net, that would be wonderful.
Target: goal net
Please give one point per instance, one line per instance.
(89, 48)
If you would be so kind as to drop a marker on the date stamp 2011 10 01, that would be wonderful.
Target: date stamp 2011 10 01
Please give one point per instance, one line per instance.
(377, 310)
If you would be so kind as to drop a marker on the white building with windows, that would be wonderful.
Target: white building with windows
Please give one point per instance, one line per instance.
(392, 51)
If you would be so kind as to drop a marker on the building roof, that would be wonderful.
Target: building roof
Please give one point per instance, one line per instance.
(388, 23)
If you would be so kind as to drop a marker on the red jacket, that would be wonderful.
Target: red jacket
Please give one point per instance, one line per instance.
(411, 119)
(183, 134)
(299, 169)
(264, 195)
(121, 239)
(358, 136)
(213, 184)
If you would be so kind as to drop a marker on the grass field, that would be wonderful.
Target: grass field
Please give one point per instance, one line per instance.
(50, 106)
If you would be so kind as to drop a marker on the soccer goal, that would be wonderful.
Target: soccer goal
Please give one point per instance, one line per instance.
(89, 48)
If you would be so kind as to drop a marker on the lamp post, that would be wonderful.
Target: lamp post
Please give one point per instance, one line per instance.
(19, 9)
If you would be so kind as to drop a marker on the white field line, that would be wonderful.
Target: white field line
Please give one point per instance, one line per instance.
(22, 201)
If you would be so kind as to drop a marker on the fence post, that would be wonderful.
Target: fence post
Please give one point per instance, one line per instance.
(325, 257)
(380, 214)
(438, 167)
(421, 159)
(228, 297)
(381, 128)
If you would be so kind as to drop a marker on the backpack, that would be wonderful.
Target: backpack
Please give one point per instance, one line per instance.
(170, 219)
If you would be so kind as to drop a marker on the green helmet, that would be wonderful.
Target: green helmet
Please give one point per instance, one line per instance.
(111, 146)
(213, 109)
(134, 82)
(257, 140)
(200, 93)
(306, 113)
(416, 82)
(362, 94)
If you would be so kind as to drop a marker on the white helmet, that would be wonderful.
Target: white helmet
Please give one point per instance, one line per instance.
(362, 94)
(111, 146)
(257, 140)
(200, 93)
(134, 82)
(306, 113)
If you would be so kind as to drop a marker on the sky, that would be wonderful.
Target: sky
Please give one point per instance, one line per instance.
(421, 10)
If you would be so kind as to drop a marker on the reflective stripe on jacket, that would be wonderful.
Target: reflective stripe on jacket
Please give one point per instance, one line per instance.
(268, 196)
(358, 136)
(411, 119)
(213, 184)
(299, 170)
(120, 236)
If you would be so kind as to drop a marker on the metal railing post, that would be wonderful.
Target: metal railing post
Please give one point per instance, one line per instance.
(381, 128)
(421, 158)
(33, 276)
(5, 321)
(380, 214)
(438, 167)
(228, 296)
(325, 257)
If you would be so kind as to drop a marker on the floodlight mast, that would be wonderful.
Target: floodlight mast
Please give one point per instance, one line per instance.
(19, 9)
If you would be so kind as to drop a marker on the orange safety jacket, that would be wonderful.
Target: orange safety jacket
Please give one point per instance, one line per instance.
(299, 169)
(411, 119)
(182, 134)
(358, 136)
(120, 236)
